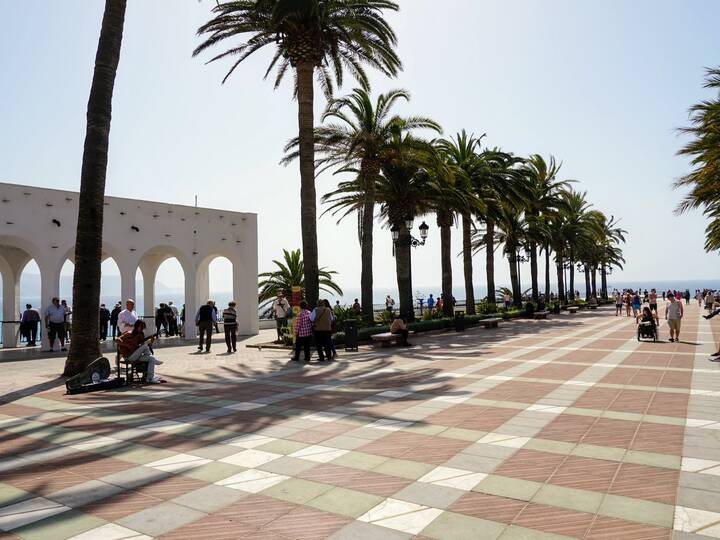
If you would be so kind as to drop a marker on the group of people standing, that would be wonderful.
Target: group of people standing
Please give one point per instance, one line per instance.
(318, 324)
(643, 307)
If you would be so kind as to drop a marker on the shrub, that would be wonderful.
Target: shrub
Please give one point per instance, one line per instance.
(342, 314)
(486, 308)
(529, 308)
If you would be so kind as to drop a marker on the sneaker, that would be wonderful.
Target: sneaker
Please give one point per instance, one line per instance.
(234, 350)
(229, 351)
(715, 354)
(159, 362)
(155, 380)
(200, 348)
(671, 340)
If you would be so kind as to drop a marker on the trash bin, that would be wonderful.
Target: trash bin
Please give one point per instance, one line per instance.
(459, 321)
(351, 335)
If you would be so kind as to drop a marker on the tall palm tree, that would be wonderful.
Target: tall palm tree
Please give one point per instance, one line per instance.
(704, 151)
(512, 233)
(461, 153)
(404, 191)
(289, 273)
(498, 181)
(357, 136)
(542, 199)
(85, 345)
(310, 37)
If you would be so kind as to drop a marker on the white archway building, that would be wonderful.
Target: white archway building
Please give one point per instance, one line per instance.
(40, 224)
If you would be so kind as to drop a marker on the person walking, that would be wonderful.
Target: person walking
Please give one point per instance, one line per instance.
(104, 321)
(160, 321)
(618, 302)
(506, 300)
(322, 319)
(204, 320)
(55, 323)
(114, 320)
(389, 303)
(281, 311)
(173, 319)
(29, 324)
(229, 316)
(430, 302)
(628, 303)
(356, 305)
(215, 309)
(68, 319)
(303, 333)
(127, 317)
(636, 305)
(652, 303)
(674, 315)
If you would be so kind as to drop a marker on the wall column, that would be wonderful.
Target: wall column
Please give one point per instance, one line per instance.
(50, 288)
(189, 328)
(11, 310)
(127, 281)
(246, 299)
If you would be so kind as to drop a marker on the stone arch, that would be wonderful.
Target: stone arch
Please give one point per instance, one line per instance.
(15, 254)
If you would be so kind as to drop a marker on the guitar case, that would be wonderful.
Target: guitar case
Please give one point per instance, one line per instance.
(93, 378)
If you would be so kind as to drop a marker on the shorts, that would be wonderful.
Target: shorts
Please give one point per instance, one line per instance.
(674, 324)
(618, 306)
(653, 307)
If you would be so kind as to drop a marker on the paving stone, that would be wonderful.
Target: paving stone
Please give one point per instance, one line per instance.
(209, 499)
(160, 519)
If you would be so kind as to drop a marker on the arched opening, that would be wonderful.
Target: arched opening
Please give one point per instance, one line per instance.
(220, 281)
(161, 296)
(19, 286)
(66, 281)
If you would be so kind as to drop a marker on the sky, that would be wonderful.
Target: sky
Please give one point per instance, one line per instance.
(602, 86)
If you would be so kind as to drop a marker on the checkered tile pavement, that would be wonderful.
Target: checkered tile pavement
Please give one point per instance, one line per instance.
(566, 428)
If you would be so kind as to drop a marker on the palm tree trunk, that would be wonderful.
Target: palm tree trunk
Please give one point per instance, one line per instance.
(572, 282)
(534, 272)
(366, 269)
(547, 273)
(490, 260)
(403, 269)
(516, 293)
(468, 264)
(560, 279)
(85, 345)
(588, 290)
(593, 276)
(446, 264)
(603, 282)
(308, 198)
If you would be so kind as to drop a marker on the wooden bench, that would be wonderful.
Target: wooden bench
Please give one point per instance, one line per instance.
(572, 309)
(540, 315)
(490, 323)
(386, 338)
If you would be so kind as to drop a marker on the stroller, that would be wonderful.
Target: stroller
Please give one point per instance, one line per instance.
(647, 330)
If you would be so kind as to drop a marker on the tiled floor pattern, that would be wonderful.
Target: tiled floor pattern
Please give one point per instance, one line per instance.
(567, 428)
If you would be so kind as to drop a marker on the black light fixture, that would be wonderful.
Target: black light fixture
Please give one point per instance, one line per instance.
(134, 228)
(424, 230)
(56, 222)
(395, 232)
(409, 222)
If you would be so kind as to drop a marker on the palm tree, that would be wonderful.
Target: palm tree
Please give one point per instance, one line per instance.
(404, 191)
(704, 151)
(512, 233)
(311, 37)
(609, 253)
(461, 154)
(85, 345)
(360, 141)
(290, 272)
(542, 199)
(498, 180)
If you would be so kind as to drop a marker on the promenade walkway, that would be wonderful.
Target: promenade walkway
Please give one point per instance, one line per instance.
(565, 428)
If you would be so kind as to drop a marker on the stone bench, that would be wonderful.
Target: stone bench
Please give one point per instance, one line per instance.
(593, 306)
(541, 314)
(386, 338)
(490, 323)
(572, 309)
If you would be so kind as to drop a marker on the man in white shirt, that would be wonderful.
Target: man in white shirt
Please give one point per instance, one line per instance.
(280, 309)
(55, 323)
(127, 317)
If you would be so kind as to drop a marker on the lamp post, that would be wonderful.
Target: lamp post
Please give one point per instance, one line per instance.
(517, 259)
(403, 240)
(566, 267)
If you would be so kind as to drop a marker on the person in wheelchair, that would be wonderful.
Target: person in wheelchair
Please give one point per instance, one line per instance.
(647, 324)
(133, 347)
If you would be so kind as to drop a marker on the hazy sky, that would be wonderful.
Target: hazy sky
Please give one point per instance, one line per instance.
(599, 85)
